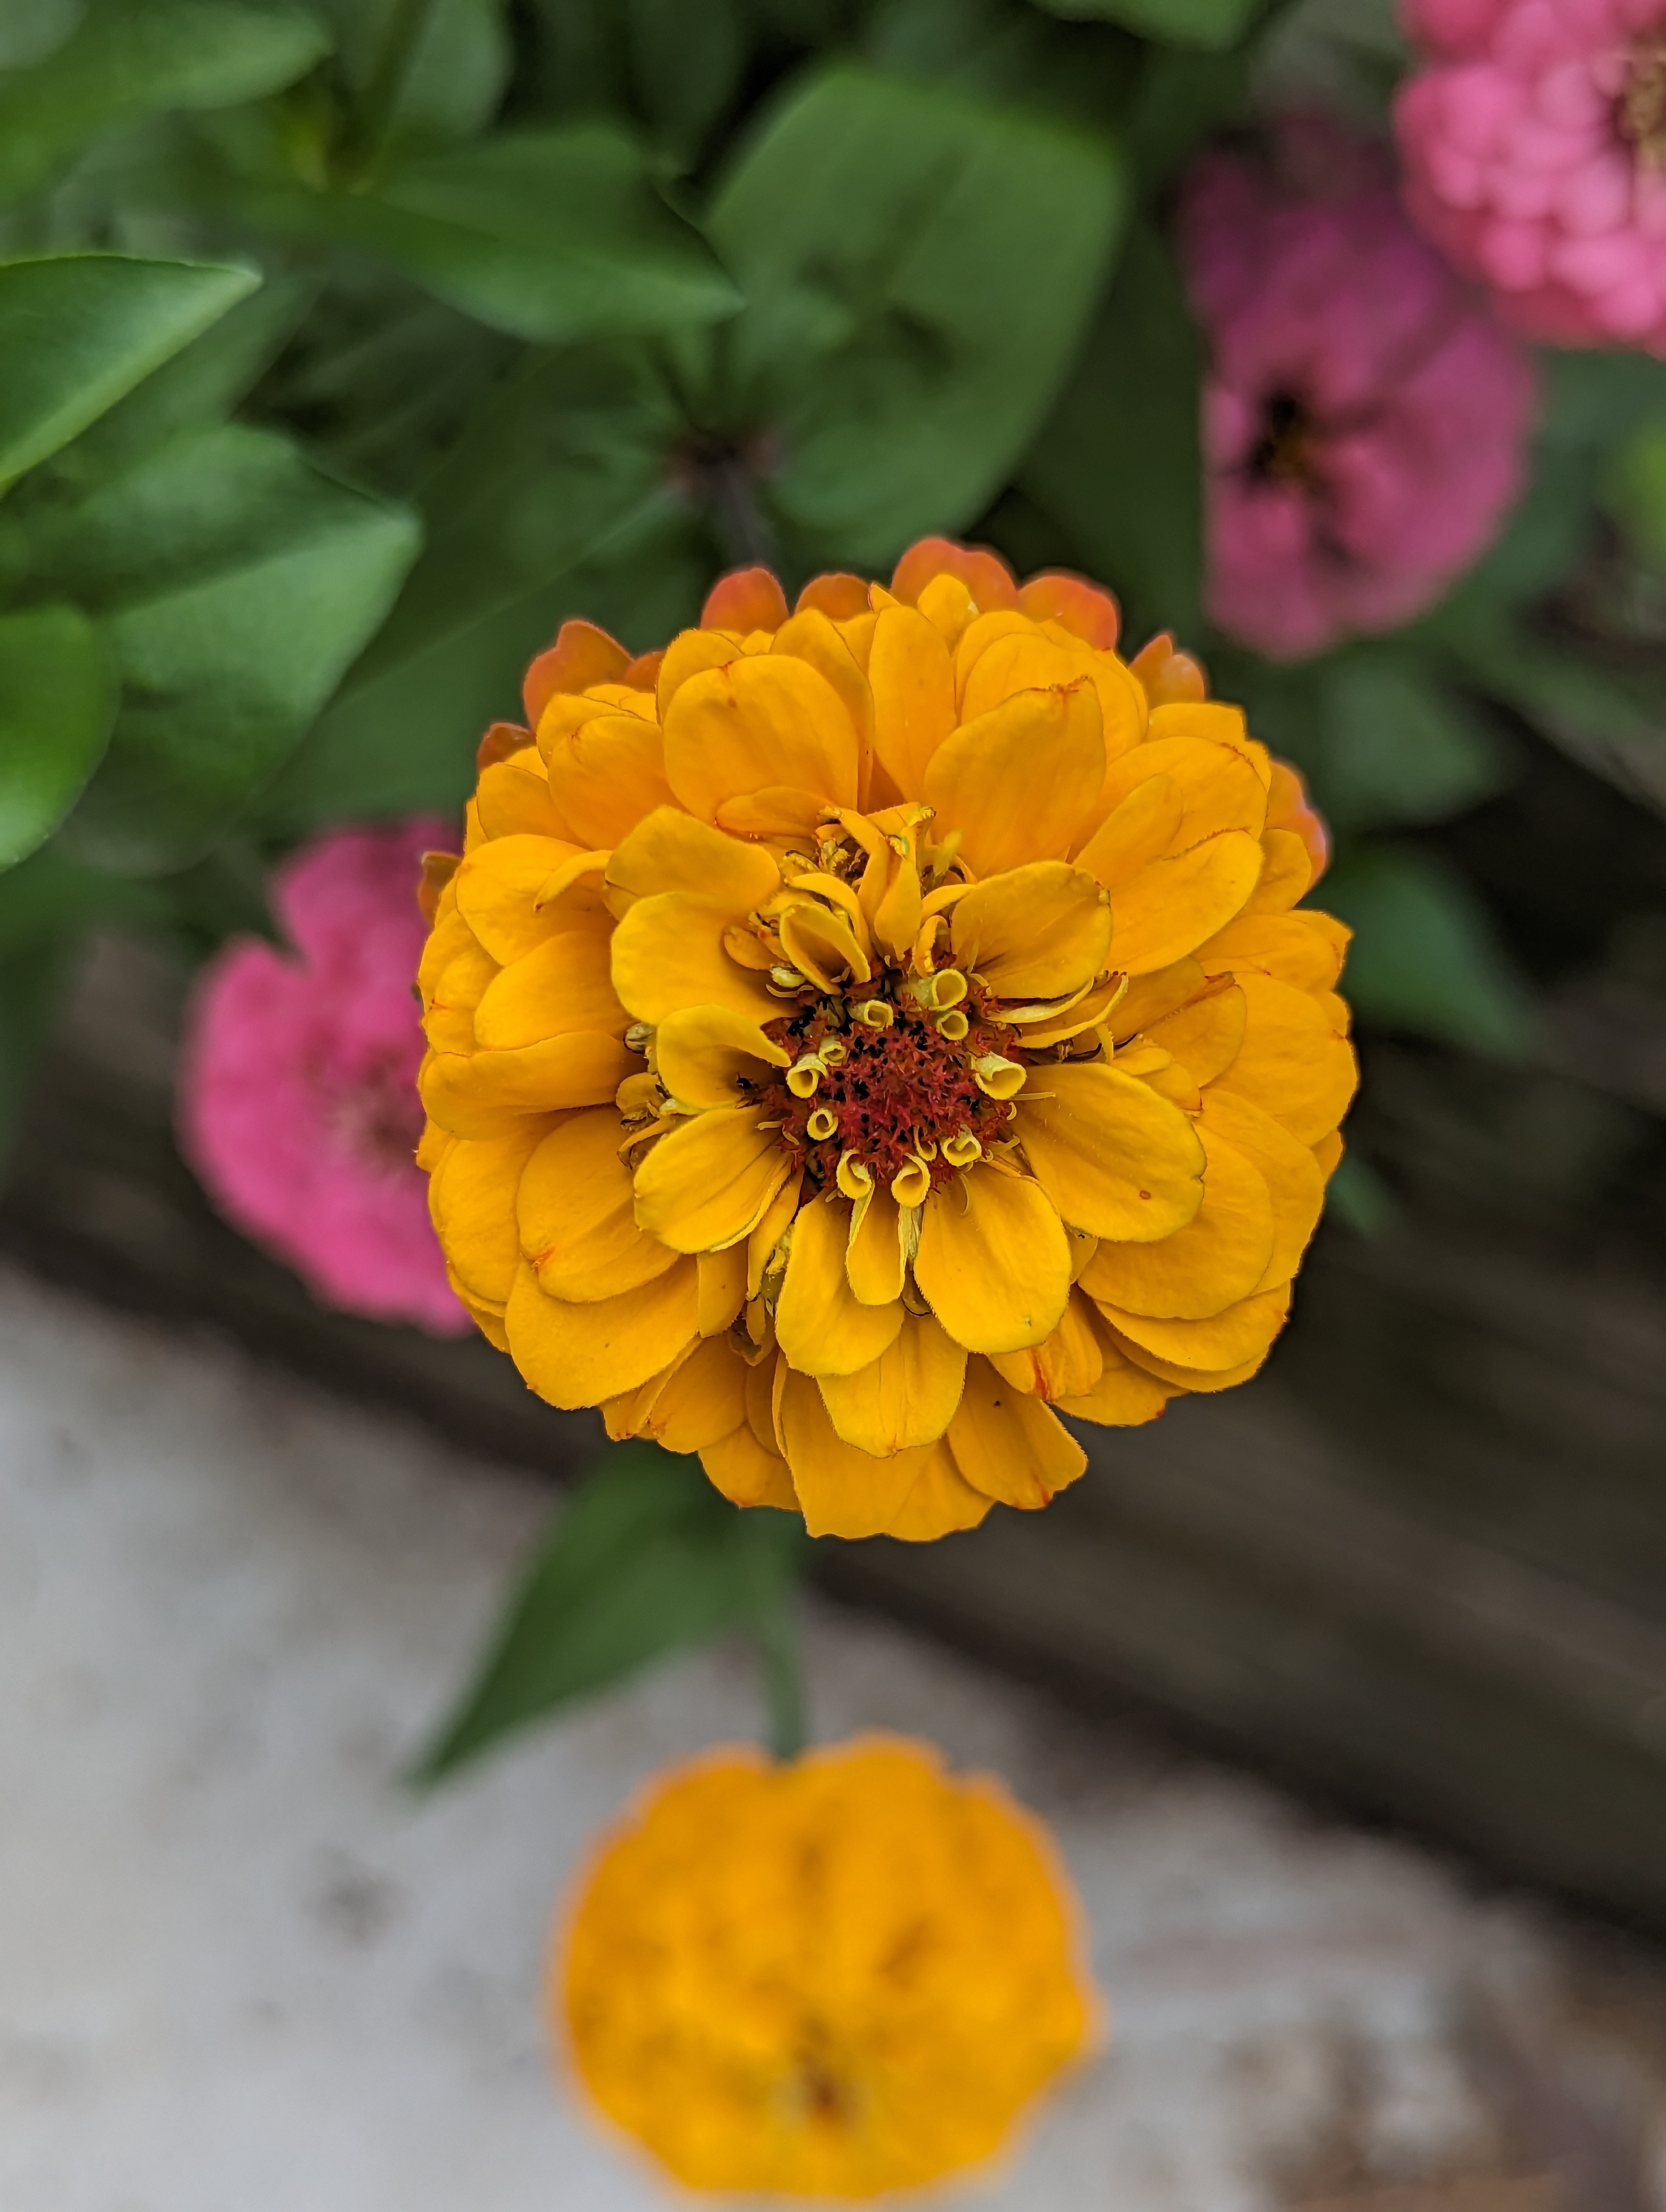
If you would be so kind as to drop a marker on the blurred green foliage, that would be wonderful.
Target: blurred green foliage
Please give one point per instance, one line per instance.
(347, 346)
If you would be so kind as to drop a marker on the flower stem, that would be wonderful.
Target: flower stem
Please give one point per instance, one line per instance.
(776, 1629)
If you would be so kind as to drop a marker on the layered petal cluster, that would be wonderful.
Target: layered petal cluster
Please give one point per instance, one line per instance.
(856, 1032)
(1535, 145)
(295, 1099)
(833, 1979)
(1366, 420)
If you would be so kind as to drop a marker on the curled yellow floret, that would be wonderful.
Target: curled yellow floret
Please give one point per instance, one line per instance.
(856, 1032)
(836, 1978)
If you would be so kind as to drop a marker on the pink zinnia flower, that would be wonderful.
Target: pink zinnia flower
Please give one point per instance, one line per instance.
(1364, 418)
(297, 1097)
(1535, 146)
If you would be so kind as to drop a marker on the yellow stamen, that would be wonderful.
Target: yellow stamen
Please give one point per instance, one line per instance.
(996, 1076)
(875, 1013)
(911, 1185)
(960, 1151)
(824, 1122)
(953, 1025)
(853, 1177)
(804, 1075)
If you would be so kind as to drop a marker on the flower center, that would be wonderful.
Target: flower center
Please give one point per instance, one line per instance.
(1286, 451)
(378, 1118)
(896, 1083)
(1640, 111)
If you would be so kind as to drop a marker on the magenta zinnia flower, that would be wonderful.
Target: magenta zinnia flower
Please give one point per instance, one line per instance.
(297, 1096)
(1535, 146)
(1364, 420)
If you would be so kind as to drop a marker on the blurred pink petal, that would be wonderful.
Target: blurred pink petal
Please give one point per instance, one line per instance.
(1535, 143)
(1364, 420)
(297, 1097)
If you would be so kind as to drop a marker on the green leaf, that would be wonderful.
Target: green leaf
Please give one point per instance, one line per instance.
(1636, 490)
(1578, 703)
(1216, 23)
(79, 331)
(28, 34)
(129, 58)
(1118, 463)
(918, 270)
(646, 1559)
(687, 64)
(554, 235)
(1425, 955)
(424, 72)
(1398, 745)
(199, 387)
(404, 741)
(51, 897)
(56, 705)
(236, 582)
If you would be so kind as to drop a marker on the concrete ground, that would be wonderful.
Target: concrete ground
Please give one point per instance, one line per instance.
(242, 1971)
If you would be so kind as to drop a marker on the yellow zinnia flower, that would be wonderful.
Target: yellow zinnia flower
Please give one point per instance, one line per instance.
(833, 1978)
(854, 1033)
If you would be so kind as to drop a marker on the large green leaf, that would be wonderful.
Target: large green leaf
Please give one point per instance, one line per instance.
(1399, 745)
(79, 331)
(1577, 702)
(128, 58)
(644, 1560)
(553, 235)
(1215, 23)
(1425, 955)
(918, 271)
(57, 703)
(1118, 463)
(421, 72)
(404, 740)
(236, 582)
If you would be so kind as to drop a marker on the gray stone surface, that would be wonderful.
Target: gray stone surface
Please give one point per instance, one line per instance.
(242, 1971)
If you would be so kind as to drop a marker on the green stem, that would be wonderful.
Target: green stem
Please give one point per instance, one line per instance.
(776, 1631)
(407, 24)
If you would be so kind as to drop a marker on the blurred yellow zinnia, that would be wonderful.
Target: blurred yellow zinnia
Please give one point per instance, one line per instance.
(855, 1032)
(833, 1978)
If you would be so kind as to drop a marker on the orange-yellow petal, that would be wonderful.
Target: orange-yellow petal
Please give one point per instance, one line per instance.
(907, 1396)
(668, 953)
(513, 798)
(1292, 1175)
(1010, 1445)
(767, 721)
(1292, 1063)
(575, 1212)
(497, 888)
(1033, 931)
(940, 1501)
(1018, 781)
(843, 1492)
(1113, 1158)
(1205, 1036)
(912, 682)
(577, 1355)
(472, 1203)
(1217, 1258)
(746, 1474)
(707, 1184)
(1066, 1365)
(1172, 906)
(670, 851)
(993, 1261)
(874, 1260)
(703, 1052)
(1227, 1340)
(606, 775)
(821, 1325)
(482, 1094)
(562, 986)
